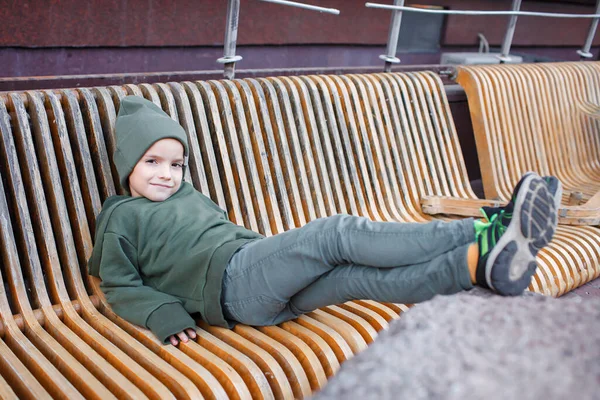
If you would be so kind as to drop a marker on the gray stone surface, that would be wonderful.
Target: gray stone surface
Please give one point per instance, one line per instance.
(475, 345)
(587, 291)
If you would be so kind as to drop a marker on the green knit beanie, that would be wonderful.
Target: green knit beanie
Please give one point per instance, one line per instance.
(140, 124)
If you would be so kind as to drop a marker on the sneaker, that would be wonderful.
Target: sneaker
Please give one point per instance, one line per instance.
(510, 242)
(554, 187)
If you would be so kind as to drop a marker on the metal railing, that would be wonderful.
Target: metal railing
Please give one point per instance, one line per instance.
(233, 13)
(305, 6)
(398, 7)
(233, 10)
(585, 50)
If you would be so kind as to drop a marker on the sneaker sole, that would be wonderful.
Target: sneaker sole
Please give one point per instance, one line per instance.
(555, 189)
(511, 263)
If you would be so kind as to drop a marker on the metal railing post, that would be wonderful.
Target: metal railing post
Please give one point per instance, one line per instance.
(510, 32)
(229, 58)
(585, 50)
(392, 44)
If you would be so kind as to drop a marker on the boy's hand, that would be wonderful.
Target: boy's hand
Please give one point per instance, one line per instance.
(183, 336)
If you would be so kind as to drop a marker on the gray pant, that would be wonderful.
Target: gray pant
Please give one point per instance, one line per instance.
(340, 258)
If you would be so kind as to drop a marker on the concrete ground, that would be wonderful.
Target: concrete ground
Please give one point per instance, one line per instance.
(476, 345)
(590, 290)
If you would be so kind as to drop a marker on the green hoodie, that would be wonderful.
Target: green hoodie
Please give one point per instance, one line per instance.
(161, 261)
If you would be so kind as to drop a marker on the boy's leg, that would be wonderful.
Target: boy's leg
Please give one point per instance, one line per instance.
(445, 274)
(346, 239)
(263, 276)
(508, 246)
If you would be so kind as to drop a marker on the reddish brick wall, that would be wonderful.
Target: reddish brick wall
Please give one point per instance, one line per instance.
(109, 23)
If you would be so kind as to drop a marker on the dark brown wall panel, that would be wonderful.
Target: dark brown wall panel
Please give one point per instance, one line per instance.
(530, 31)
(183, 23)
(116, 23)
(55, 23)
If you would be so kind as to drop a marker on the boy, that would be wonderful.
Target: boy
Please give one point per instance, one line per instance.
(167, 251)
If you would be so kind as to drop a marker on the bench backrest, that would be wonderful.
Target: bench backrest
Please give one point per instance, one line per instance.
(530, 117)
(275, 152)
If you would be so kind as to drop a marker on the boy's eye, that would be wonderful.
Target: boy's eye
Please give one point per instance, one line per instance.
(151, 161)
(177, 165)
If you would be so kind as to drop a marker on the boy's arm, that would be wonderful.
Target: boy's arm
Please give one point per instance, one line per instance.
(126, 293)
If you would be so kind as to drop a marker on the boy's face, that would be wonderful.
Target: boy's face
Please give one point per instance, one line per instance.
(158, 174)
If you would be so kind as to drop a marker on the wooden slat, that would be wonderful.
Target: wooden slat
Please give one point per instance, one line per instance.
(226, 172)
(374, 319)
(253, 136)
(309, 115)
(350, 334)
(263, 356)
(108, 116)
(213, 188)
(253, 94)
(301, 151)
(299, 147)
(92, 136)
(250, 373)
(319, 346)
(302, 351)
(377, 129)
(388, 313)
(331, 336)
(292, 175)
(556, 92)
(186, 119)
(249, 196)
(6, 392)
(51, 381)
(361, 125)
(353, 169)
(200, 376)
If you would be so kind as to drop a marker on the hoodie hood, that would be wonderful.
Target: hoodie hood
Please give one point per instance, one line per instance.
(141, 123)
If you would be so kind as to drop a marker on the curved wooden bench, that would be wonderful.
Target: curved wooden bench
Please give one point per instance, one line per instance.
(533, 117)
(275, 153)
(572, 259)
(528, 117)
(59, 336)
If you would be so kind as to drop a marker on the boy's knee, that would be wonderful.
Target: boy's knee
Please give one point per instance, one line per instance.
(336, 226)
(330, 222)
(342, 221)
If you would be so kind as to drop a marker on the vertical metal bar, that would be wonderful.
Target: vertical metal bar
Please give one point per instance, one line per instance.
(229, 58)
(510, 32)
(392, 44)
(585, 50)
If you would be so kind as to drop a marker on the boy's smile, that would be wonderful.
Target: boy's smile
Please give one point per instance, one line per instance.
(158, 174)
